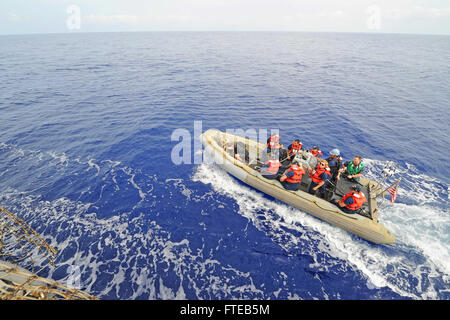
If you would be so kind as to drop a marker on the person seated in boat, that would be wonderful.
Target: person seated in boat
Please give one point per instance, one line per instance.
(283, 156)
(352, 170)
(238, 151)
(352, 201)
(276, 149)
(294, 148)
(291, 179)
(270, 169)
(319, 178)
(273, 143)
(334, 163)
(316, 152)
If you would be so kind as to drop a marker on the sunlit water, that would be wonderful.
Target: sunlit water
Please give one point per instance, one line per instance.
(86, 122)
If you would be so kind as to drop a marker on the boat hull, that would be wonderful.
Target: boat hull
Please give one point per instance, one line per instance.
(363, 227)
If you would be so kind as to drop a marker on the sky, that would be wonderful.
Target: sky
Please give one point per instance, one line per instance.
(380, 16)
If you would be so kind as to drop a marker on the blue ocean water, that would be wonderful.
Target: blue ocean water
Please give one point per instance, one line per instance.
(85, 159)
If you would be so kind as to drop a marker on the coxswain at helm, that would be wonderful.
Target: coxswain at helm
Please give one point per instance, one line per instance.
(352, 170)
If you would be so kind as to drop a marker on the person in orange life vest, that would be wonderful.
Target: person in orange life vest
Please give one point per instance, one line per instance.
(291, 179)
(316, 152)
(270, 169)
(319, 177)
(352, 201)
(273, 142)
(294, 148)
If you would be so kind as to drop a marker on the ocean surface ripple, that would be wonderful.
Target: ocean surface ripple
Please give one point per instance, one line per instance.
(86, 122)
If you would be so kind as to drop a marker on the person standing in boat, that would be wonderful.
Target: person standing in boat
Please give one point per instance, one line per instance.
(352, 201)
(319, 177)
(334, 163)
(292, 178)
(353, 170)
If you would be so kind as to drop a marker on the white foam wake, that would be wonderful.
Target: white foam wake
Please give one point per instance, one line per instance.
(415, 266)
(118, 256)
(126, 258)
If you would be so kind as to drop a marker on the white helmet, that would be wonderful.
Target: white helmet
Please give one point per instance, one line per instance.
(335, 152)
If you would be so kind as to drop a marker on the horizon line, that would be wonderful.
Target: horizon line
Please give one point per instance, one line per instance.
(199, 31)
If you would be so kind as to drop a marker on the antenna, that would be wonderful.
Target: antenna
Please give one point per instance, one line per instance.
(389, 171)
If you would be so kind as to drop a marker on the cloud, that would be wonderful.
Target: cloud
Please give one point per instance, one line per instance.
(289, 15)
(301, 20)
(111, 19)
(417, 12)
(12, 17)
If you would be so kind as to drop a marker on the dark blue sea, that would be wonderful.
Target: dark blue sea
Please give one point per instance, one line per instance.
(85, 159)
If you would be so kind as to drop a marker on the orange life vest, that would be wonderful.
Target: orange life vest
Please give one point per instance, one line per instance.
(274, 165)
(274, 142)
(295, 149)
(358, 200)
(316, 153)
(317, 172)
(298, 174)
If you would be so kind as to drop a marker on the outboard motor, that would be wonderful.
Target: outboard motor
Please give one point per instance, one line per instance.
(306, 159)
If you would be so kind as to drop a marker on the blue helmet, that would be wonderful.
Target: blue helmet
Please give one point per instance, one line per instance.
(335, 152)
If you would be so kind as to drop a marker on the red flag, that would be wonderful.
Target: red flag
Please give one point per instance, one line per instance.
(393, 192)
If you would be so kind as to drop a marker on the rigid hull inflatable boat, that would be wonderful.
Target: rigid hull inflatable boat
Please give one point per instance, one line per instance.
(364, 224)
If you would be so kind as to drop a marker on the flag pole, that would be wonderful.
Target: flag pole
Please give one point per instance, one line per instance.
(394, 185)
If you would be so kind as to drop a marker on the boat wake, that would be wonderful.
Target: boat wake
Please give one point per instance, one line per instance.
(128, 251)
(416, 266)
(118, 253)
